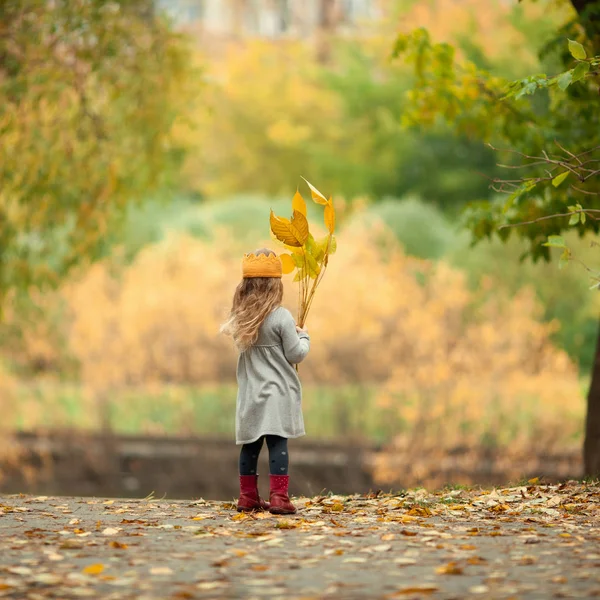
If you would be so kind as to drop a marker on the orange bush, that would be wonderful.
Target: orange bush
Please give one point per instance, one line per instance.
(457, 366)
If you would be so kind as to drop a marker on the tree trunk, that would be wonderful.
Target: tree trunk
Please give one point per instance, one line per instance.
(325, 29)
(591, 445)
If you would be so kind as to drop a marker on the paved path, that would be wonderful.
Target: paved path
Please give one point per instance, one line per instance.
(530, 542)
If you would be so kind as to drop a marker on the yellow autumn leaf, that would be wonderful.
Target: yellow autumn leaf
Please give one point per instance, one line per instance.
(292, 232)
(316, 194)
(298, 203)
(94, 569)
(425, 588)
(452, 568)
(242, 516)
(288, 263)
(329, 216)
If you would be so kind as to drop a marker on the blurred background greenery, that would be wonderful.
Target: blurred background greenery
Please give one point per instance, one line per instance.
(140, 224)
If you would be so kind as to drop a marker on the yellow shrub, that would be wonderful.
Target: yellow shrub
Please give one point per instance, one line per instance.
(456, 365)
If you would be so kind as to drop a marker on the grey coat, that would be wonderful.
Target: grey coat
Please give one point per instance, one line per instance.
(269, 400)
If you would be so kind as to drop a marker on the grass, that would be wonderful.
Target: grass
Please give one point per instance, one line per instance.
(345, 412)
(171, 410)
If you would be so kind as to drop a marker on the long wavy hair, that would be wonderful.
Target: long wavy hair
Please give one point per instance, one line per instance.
(255, 298)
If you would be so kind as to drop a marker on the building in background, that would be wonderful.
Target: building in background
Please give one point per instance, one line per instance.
(268, 18)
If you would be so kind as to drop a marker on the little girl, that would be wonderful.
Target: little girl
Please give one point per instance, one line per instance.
(269, 392)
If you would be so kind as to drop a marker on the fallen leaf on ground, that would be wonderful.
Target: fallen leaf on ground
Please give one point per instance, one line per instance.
(94, 569)
(451, 568)
(417, 589)
(161, 571)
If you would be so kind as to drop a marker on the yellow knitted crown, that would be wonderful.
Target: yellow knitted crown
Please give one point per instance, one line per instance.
(261, 265)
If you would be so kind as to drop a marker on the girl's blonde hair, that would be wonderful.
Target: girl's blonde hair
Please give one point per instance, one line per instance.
(255, 298)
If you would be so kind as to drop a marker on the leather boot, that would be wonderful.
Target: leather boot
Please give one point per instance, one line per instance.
(280, 501)
(249, 498)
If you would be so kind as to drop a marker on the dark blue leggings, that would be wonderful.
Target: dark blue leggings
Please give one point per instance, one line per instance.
(278, 455)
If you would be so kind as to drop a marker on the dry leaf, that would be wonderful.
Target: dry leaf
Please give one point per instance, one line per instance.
(161, 571)
(404, 562)
(451, 568)
(55, 557)
(241, 516)
(46, 578)
(417, 589)
(355, 559)
(94, 569)
(420, 511)
(382, 548)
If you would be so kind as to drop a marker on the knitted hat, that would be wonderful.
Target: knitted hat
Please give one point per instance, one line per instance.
(261, 265)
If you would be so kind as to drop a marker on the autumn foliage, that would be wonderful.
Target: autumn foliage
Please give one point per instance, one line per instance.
(307, 256)
(449, 364)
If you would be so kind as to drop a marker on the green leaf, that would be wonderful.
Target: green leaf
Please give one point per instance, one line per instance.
(555, 241)
(332, 244)
(580, 71)
(565, 257)
(574, 219)
(582, 217)
(577, 50)
(324, 245)
(527, 186)
(298, 259)
(313, 267)
(313, 248)
(400, 46)
(565, 80)
(300, 275)
(560, 178)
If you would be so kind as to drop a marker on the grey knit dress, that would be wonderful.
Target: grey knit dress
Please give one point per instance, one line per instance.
(269, 400)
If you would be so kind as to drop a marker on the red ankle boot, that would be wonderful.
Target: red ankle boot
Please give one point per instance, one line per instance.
(280, 501)
(249, 499)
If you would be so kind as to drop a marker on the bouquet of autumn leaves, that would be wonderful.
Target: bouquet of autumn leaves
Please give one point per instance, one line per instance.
(307, 256)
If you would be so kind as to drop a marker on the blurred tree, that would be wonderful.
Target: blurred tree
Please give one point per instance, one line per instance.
(553, 136)
(89, 93)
